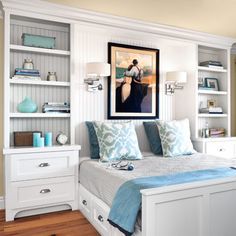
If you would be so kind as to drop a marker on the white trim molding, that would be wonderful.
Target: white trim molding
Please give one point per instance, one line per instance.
(75, 14)
(2, 202)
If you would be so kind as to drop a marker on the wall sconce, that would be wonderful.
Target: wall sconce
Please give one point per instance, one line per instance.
(173, 79)
(96, 71)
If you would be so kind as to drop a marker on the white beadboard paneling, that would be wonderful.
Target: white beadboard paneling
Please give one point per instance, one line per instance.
(54, 125)
(91, 44)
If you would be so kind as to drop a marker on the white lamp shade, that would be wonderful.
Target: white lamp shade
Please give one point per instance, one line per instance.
(179, 77)
(98, 69)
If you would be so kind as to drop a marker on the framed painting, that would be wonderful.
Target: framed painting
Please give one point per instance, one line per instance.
(133, 87)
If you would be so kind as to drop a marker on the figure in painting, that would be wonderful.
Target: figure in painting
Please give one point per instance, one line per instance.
(130, 94)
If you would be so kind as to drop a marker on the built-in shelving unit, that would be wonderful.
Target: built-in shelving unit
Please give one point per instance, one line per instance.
(221, 96)
(40, 91)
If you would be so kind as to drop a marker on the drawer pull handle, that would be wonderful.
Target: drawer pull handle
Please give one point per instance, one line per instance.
(84, 202)
(100, 218)
(221, 149)
(44, 164)
(46, 190)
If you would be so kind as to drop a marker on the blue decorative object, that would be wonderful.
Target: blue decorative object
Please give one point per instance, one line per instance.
(27, 106)
(48, 139)
(40, 142)
(40, 41)
(36, 137)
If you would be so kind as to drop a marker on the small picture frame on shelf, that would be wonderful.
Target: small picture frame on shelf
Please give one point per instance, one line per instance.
(211, 103)
(212, 83)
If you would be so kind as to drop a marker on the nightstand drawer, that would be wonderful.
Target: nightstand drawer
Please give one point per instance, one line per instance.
(221, 149)
(42, 165)
(39, 193)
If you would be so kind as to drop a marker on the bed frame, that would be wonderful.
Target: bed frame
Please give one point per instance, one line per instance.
(206, 208)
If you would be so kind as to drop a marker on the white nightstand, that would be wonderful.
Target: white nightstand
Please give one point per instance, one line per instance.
(39, 180)
(222, 147)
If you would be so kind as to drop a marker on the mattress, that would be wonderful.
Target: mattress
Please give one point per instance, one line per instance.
(103, 181)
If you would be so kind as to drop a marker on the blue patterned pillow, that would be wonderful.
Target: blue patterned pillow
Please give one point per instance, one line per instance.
(153, 136)
(93, 141)
(175, 138)
(117, 141)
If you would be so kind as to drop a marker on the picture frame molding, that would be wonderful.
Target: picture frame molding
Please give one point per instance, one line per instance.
(128, 117)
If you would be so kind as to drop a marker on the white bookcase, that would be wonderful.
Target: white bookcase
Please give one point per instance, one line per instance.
(45, 60)
(222, 97)
(38, 179)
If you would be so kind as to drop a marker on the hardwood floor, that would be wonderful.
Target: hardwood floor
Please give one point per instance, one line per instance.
(64, 223)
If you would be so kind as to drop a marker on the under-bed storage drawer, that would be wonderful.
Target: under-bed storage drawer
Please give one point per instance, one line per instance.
(100, 216)
(36, 192)
(85, 202)
(221, 149)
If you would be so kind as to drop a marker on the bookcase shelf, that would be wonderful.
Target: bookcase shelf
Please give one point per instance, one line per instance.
(210, 92)
(39, 50)
(39, 115)
(204, 68)
(40, 82)
(39, 91)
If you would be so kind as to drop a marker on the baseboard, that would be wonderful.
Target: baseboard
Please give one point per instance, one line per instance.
(2, 205)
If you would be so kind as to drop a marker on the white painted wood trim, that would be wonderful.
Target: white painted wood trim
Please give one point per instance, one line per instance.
(211, 69)
(39, 50)
(2, 202)
(39, 115)
(40, 82)
(56, 148)
(74, 14)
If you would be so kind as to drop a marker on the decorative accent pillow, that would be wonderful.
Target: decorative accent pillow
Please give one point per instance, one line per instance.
(153, 136)
(117, 141)
(175, 137)
(93, 141)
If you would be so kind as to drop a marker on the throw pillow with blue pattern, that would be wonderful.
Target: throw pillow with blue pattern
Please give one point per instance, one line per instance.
(117, 141)
(175, 137)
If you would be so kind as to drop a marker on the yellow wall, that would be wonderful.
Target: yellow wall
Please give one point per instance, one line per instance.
(1, 106)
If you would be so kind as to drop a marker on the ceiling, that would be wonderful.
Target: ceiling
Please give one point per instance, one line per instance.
(210, 16)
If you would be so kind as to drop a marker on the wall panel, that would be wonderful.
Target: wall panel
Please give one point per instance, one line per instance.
(91, 45)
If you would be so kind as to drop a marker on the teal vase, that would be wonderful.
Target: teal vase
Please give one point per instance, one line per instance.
(27, 106)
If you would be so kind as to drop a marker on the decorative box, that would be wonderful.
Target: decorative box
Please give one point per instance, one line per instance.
(32, 40)
(22, 138)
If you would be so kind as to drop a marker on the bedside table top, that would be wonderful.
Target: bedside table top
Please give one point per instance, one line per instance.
(55, 148)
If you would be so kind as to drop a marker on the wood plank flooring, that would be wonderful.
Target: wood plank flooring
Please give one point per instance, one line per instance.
(64, 223)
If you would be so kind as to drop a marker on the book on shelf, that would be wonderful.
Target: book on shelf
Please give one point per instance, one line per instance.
(217, 132)
(26, 73)
(26, 77)
(53, 107)
(210, 62)
(211, 110)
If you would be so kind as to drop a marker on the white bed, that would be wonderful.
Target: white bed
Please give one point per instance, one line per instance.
(206, 208)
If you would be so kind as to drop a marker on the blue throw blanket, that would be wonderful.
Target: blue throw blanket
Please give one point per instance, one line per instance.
(127, 202)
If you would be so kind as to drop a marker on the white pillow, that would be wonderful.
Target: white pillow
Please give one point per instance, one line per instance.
(117, 141)
(175, 137)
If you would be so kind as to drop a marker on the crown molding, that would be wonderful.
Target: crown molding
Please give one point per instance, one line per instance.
(74, 14)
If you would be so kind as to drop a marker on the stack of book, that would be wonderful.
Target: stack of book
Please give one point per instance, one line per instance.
(29, 74)
(56, 107)
(212, 64)
(211, 110)
(217, 132)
